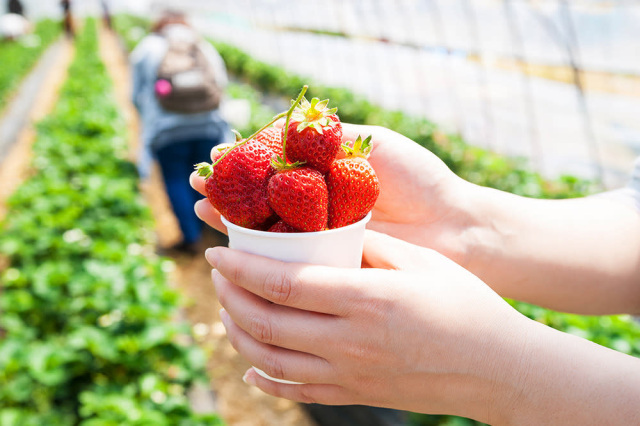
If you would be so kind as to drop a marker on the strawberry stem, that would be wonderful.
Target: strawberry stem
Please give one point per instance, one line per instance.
(276, 118)
(237, 135)
(294, 104)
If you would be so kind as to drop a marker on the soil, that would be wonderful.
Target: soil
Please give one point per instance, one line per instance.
(15, 166)
(237, 403)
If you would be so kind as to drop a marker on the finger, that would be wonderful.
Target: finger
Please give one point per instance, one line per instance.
(385, 252)
(308, 287)
(389, 149)
(274, 324)
(279, 363)
(388, 158)
(209, 215)
(350, 132)
(197, 182)
(306, 393)
(217, 150)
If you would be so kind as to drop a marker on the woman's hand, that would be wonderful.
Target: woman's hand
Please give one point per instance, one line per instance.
(415, 331)
(421, 201)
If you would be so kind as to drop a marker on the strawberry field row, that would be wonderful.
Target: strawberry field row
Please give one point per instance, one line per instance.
(88, 335)
(18, 57)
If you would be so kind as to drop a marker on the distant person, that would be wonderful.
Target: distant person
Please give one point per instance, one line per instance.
(178, 80)
(15, 6)
(13, 26)
(67, 19)
(106, 13)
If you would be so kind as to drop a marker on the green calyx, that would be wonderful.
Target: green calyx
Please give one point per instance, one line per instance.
(280, 164)
(237, 135)
(314, 114)
(204, 169)
(360, 148)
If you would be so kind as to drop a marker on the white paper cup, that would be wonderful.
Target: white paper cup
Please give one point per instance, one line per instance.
(340, 247)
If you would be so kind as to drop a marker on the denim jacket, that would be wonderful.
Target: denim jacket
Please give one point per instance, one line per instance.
(161, 127)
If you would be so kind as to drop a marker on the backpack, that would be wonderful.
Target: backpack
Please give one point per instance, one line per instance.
(185, 80)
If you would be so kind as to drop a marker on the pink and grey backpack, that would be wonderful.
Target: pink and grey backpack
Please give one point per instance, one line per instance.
(185, 80)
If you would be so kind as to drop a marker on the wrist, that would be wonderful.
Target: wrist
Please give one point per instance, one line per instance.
(492, 382)
(500, 382)
(512, 371)
(468, 230)
(557, 378)
(490, 234)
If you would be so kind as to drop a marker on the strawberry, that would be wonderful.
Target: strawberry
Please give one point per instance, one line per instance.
(352, 184)
(314, 134)
(237, 185)
(282, 226)
(272, 138)
(299, 196)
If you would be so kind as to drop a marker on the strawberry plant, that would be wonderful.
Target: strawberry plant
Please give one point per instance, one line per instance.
(87, 313)
(131, 29)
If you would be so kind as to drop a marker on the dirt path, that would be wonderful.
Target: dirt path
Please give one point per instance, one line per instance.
(237, 403)
(15, 166)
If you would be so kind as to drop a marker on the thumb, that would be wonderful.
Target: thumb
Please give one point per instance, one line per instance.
(385, 252)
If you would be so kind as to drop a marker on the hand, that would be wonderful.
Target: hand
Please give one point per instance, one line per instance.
(420, 198)
(414, 332)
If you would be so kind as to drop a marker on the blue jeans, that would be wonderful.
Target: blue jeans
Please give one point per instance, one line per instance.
(176, 162)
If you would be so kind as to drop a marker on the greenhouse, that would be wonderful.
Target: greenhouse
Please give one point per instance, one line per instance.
(263, 213)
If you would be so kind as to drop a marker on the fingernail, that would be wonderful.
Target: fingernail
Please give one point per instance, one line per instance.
(212, 256)
(195, 208)
(215, 275)
(248, 378)
(224, 316)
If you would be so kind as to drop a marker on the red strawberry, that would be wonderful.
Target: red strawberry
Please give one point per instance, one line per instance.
(271, 137)
(299, 196)
(282, 226)
(237, 185)
(314, 134)
(352, 184)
